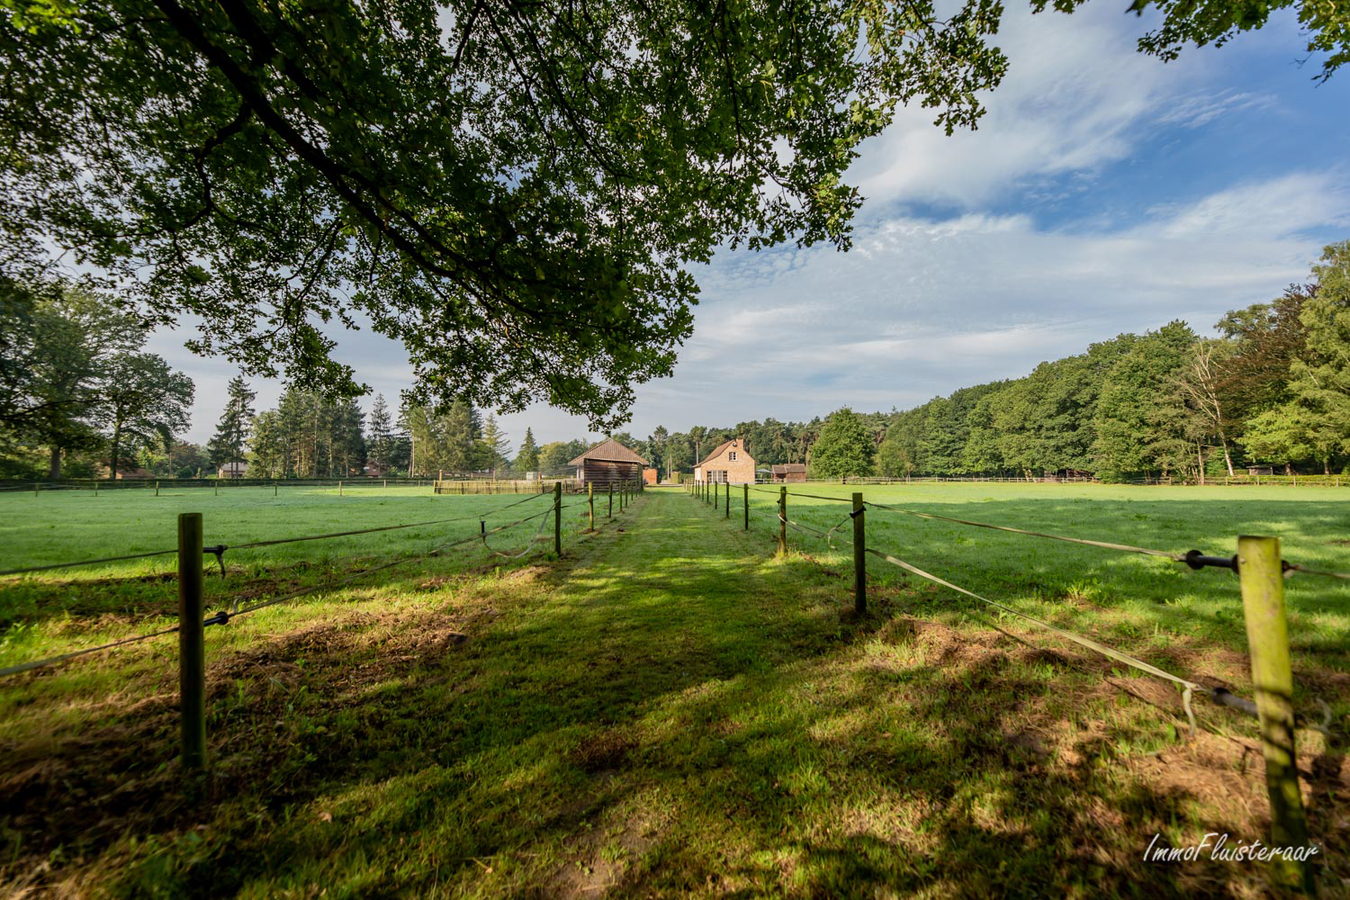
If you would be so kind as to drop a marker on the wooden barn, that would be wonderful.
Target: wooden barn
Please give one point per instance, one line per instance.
(608, 462)
(789, 472)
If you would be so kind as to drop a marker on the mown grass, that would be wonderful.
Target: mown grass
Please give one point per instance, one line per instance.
(668, 710)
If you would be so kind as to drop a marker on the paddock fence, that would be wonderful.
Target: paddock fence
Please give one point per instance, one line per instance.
(1261, 572)
(191, 554)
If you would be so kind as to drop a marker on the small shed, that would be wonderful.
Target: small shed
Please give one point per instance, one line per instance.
(232, 470)
(1260, 470)
(785, 473)
(649, 475)
(608, 463)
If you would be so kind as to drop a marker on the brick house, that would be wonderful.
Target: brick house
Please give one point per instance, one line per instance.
(729, 463)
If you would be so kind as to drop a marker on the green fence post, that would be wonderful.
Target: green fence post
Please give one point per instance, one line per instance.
(191, 641)
(747, 506)
(859, 556)
(782, 521)
(1262, 578)
(557, 518)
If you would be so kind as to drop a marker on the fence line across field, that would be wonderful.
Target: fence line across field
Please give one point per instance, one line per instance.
(251, 545)
(1261, 574)
(223, 617)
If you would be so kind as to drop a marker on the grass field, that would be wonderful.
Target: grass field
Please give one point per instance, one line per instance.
(666, 710)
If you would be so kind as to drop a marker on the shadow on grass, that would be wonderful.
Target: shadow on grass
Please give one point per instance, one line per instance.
(668, 713)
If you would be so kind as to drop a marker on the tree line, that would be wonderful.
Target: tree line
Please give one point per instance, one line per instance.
(1271, 388)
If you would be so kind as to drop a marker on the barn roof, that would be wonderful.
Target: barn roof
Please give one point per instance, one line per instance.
(717, 451)
(789, 468)
(609, 450)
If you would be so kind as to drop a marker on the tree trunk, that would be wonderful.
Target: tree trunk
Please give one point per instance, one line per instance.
(1227, 457)
(112, 455)
(54, 472)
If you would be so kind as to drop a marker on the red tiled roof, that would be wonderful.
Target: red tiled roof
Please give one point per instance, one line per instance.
(718, 451)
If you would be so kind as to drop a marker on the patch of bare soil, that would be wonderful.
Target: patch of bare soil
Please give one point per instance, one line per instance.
(84, 789)
(602, 752)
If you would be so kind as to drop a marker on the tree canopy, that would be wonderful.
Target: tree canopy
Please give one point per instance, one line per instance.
(512, 190)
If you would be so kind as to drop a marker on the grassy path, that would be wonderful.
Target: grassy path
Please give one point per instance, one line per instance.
(667, 711)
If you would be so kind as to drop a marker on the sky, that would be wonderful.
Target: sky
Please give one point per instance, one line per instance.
(1104, 192)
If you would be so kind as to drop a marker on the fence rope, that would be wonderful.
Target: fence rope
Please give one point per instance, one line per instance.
(53, 660)
(337, 534)
(220, 549)
(87, 562)
(223, 617)
(1188, 687)
(807, 529)
(809, 496)
(1107, 545)
(529, 545)
(1345, 576)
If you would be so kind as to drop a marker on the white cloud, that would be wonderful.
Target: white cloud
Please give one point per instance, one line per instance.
(1076, 92)
(922, 307)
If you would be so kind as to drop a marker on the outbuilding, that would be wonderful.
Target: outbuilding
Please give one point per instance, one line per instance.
(608, 463)
(729, 463)
(785, 473)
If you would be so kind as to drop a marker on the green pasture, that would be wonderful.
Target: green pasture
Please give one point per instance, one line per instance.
(1177, 614)
(667, 710)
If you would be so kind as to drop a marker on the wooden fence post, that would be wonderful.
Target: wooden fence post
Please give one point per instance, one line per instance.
(557, 518)
(727, 501)
(274, 489)
(339, 488)
(859, 555)
(747, 505)
(782, 521)
(590, 500)
(156, 488)
(716, 491)
(610, 515)
(217, 482)
(191, 641)
(95, 488)
(1262, 579)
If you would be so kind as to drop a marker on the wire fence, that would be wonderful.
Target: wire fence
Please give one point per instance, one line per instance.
(223, 616)
(1261, 571)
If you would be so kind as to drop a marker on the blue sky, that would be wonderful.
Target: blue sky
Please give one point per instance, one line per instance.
(1105, 191)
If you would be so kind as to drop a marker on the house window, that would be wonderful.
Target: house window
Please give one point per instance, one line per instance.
(732, 456)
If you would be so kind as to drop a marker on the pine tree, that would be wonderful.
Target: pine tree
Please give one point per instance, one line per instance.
(459, 438)
(382, 438)
(233, 429)
(527, 460)
(495, 449)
